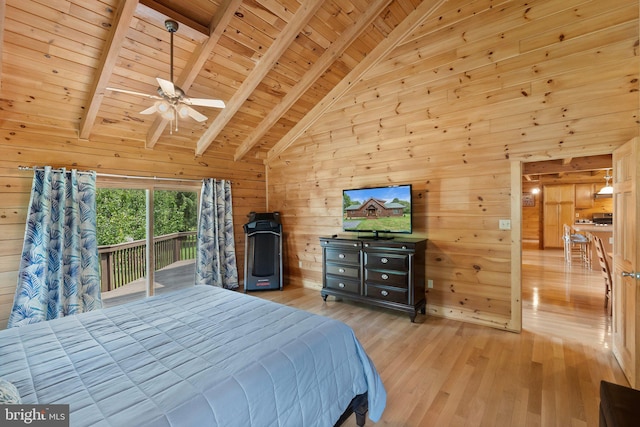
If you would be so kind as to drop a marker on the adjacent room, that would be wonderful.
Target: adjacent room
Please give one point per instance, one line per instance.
(320, 212)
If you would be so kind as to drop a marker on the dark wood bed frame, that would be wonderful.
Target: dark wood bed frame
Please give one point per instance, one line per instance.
(359, 405)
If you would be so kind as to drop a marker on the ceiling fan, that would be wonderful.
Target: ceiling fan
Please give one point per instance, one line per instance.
(171, 101)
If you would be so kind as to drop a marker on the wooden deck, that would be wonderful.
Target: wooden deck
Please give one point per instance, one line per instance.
(176, 276)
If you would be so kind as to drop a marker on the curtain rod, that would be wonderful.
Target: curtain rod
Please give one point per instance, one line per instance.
(109, 175)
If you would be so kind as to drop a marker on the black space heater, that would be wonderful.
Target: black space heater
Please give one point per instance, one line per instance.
(263, 252)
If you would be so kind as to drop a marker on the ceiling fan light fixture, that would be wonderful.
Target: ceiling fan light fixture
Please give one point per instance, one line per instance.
(183, 111)
(172, 103)
(163, 107)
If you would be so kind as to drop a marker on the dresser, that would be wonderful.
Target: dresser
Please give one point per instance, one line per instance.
(384, 273)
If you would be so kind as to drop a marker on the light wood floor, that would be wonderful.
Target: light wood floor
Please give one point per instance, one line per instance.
(441, 372)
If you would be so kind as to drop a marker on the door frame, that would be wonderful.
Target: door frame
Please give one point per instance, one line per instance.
(517, 166)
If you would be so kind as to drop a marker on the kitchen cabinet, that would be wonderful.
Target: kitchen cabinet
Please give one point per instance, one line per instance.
(584, 196)
(558, 209)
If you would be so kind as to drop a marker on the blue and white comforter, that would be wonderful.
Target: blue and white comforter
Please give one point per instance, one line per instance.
(203, 356)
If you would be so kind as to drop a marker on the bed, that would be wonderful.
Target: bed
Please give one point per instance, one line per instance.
(202, 356)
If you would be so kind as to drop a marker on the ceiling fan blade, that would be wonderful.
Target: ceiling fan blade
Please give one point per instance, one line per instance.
(130, 92)
(201, 102)
(195, 114)
(149, 110)
(167, 87)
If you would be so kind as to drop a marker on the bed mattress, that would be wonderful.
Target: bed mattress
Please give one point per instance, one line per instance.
(196, 357)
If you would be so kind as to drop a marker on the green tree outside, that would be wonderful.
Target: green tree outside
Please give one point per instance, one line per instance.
(121, 214)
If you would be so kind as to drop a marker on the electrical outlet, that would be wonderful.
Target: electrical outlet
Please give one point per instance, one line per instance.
(430, 284)
(300, 264)
(504, 224)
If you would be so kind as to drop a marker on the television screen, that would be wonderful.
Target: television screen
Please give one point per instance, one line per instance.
(378, 210)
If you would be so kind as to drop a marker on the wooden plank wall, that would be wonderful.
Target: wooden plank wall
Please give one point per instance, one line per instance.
(28, 148)
(480, 85)
(531, 215)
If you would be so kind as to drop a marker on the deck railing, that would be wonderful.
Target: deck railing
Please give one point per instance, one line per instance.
(125, 262)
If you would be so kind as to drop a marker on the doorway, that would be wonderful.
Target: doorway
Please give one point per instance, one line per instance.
(561, 299)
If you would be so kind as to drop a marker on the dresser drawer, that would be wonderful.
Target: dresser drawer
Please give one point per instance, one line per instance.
(386, 245)
(342, 270)
(386, 294)
(341, 243)
(386, 261)
(342, 256)
(342, 284)
(387, 277)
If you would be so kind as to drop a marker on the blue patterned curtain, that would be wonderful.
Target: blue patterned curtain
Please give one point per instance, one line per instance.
(216, 255)
(59, 271)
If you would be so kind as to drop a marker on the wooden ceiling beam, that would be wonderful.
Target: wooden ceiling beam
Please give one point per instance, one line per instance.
(409, 24)
(576, 164)
(157, 13)
(122, 21)
(320, 66)
(172, 14)
(196, 61)
(302, 16)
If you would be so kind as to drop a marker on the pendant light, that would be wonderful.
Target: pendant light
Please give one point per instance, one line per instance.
(607, 189)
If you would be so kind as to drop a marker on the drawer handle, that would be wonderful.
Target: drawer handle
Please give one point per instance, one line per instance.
(404, 247)
(355, 244)
(384, 293)
(341, 270)
(341, 285)
(366, 245)
(385, 276)
(384, 260)
(341, 256)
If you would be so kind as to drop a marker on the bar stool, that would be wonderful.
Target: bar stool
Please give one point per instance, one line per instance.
(575, 245)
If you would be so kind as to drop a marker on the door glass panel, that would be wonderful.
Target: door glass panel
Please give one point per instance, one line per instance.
(121, 230)
(175, 216)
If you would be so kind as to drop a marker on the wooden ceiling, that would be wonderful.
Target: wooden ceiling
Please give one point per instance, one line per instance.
(274, 63)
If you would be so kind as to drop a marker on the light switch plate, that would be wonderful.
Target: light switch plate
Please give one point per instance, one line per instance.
(505, 224)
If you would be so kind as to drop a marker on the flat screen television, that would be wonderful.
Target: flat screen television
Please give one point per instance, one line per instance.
(377, 210)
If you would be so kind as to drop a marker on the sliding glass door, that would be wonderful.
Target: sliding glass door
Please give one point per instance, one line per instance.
(130, 220)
